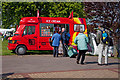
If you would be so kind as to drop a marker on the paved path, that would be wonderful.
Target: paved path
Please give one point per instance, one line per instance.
(45, 66)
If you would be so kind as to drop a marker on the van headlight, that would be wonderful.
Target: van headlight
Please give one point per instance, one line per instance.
(12, 41)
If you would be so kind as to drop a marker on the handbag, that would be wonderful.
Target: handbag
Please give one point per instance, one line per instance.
(72, 52)
(89, 48)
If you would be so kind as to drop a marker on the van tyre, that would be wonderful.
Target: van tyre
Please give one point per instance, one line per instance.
(20, 50)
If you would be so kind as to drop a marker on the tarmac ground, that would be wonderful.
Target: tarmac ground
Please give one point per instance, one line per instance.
(46, 66)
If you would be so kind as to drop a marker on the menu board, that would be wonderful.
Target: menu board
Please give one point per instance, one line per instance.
(45, 32)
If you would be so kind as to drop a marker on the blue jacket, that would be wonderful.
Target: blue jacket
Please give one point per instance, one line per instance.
(81, 40)
(56, 39)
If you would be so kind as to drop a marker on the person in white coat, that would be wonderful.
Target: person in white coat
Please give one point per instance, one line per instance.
(102, 47)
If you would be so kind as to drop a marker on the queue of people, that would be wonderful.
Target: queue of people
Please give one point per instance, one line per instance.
(82, 44)
(56, 38)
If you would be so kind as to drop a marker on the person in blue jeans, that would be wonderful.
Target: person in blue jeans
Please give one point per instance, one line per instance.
(81, 40)
(56, 41)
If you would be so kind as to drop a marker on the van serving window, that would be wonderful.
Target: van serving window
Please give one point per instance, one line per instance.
(47, 30)
(77, 27)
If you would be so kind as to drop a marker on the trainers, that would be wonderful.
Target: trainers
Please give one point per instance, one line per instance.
(77, 62)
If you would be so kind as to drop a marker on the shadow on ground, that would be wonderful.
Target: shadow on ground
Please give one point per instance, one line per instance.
(4, 76)
(113, 63)
(91, 62)
(108, 63)
(38, 52)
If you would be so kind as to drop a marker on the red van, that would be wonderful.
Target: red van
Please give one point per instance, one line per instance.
(34, 33)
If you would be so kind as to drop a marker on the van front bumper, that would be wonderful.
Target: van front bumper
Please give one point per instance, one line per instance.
(11, 46)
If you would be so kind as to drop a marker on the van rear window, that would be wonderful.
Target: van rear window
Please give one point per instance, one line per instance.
(78, 27)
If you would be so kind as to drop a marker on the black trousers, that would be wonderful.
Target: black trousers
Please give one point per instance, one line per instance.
(81, 53)
(65, 47)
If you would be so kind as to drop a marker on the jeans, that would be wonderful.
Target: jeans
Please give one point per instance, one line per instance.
(81, 52)
(55, 51)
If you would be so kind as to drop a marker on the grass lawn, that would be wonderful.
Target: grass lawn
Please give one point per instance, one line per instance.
(5, 51)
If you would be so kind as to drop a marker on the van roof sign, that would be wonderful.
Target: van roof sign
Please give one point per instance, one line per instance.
(25, 20)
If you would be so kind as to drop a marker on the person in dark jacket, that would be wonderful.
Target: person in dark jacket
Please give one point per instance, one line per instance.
(64, 43)
(56, 41)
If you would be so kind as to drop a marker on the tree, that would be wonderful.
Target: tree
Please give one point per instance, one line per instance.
(105, 13)
(63, 9)
(12, 12)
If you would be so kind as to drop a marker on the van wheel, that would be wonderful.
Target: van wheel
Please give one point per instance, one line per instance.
(20, 50)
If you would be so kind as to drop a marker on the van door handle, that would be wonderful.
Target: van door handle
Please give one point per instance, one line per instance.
(35, 37)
